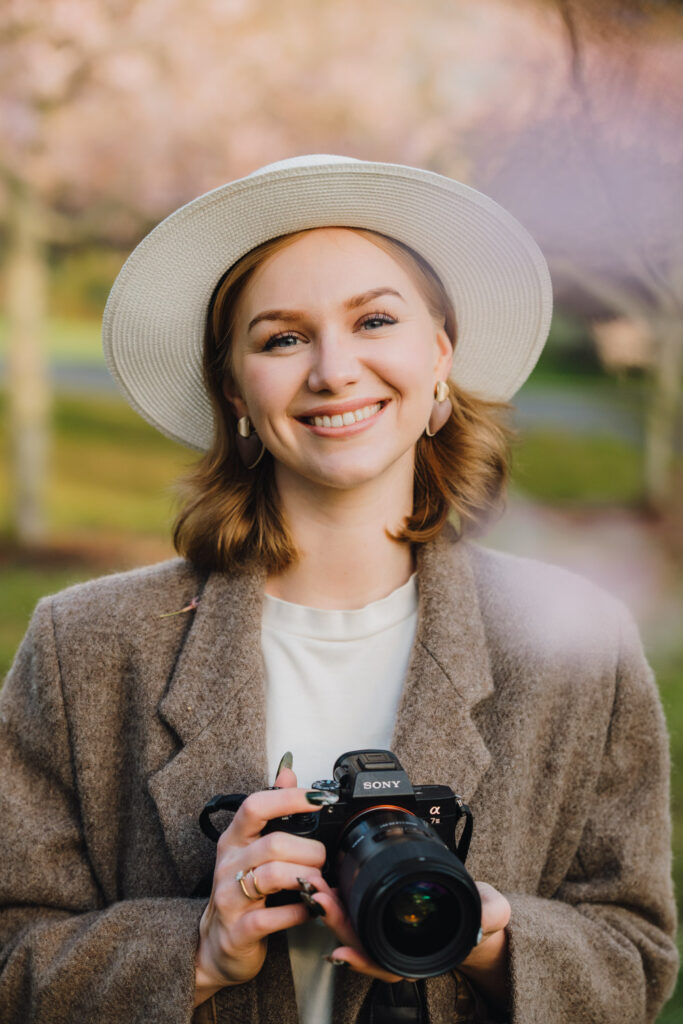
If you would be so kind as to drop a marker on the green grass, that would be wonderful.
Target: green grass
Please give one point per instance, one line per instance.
(557, 467)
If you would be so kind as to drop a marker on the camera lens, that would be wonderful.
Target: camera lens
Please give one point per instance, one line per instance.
(418, 918)
(413, 905)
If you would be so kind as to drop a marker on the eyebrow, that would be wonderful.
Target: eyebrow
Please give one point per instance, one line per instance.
(292, 315)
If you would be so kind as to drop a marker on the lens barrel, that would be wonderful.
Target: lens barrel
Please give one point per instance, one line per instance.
(413, 905)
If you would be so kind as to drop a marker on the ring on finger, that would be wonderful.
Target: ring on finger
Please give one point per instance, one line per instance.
(252, 875)
(239, 877)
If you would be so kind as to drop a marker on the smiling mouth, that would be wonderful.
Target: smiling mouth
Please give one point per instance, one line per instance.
(345, 419)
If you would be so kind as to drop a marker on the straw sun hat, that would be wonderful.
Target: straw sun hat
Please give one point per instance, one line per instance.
(490, 266)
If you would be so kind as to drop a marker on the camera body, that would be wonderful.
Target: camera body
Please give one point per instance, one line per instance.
(375, 780)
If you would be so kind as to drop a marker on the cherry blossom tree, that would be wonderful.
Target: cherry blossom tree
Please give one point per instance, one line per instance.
(595, 172)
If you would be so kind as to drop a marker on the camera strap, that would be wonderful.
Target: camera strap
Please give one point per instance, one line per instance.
(403, 1002)
(464, 842)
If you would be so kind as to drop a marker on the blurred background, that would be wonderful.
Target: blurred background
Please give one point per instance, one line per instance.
(115, 112)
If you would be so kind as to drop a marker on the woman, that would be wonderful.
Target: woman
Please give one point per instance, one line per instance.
(323, 604)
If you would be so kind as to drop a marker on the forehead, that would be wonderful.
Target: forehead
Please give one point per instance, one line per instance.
(325, 266)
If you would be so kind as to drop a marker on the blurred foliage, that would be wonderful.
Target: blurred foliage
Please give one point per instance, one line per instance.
(81, 279)
(570, 347)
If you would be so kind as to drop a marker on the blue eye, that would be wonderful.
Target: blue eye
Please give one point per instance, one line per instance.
(375, 320)
(281, 341)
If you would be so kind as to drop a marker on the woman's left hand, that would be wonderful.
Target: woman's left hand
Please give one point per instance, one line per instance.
(486, 965)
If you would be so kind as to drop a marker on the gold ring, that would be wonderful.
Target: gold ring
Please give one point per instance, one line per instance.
(239, 877)
(252, 875)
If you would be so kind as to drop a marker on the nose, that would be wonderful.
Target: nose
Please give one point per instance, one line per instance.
(335, 365)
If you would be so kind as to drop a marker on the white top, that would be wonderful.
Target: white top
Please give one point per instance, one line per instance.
(333, 683)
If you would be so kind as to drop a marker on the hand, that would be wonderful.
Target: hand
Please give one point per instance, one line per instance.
(486, 964)
(233, 929)
(351, 951)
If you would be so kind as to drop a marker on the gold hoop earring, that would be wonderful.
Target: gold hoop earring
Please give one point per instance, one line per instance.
(248, 443)
(441, 410)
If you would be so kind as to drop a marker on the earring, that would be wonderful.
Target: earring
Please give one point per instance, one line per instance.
(441, 409)
(248, 443)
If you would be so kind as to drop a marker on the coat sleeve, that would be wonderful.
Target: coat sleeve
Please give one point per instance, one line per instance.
(602, 950)
(64, 955)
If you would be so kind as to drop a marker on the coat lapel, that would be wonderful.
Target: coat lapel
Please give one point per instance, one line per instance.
(435, 736)
(215, 704)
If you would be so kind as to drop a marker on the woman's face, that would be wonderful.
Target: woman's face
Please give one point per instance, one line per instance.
(335, 357)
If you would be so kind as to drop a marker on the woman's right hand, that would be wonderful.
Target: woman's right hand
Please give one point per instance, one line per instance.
(233, 929)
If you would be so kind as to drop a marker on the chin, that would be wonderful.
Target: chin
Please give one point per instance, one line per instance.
(347, 477)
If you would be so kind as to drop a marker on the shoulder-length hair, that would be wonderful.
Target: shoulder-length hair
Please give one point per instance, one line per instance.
(231, 517)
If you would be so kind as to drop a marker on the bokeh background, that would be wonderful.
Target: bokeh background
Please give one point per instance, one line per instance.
(115, 112)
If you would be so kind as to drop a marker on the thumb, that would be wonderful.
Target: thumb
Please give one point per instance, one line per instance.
(285, 777)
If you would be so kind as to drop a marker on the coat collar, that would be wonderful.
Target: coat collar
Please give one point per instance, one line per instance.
(215, 704)
(435, 736)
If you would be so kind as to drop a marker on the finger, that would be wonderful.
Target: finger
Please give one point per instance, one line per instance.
(275, 876)
(259, 808)
(338, 921)
(361, 963)
(286, 779)
(264, 921)
(283, 846)
(495, 909)
(336, 917)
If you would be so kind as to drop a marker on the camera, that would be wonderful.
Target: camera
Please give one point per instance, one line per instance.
(392, 853)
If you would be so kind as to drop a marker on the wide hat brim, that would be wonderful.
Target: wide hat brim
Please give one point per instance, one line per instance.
(491, 267)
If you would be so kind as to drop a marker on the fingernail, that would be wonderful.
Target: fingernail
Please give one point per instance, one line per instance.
(314, 908)
(322, 798)
(286, 761)
(335, 961)
(308, 890)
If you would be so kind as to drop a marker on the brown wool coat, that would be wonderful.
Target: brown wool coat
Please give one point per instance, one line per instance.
(527, 693)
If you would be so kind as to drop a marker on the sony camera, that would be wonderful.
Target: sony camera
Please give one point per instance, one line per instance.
(393, 854)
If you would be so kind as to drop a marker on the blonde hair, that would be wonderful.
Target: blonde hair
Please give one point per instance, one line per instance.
(231, 517)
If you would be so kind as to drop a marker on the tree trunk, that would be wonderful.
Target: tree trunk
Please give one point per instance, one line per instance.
(662, 418)
(27, 374)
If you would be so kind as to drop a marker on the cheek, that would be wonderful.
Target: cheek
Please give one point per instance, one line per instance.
(409, 370)
(267, 389)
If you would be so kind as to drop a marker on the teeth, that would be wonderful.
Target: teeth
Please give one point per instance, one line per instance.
(347, 418)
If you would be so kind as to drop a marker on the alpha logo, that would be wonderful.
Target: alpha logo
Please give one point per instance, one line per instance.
(387, 784)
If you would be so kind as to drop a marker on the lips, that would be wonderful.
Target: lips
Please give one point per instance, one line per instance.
(343, 413)
(345, 419)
